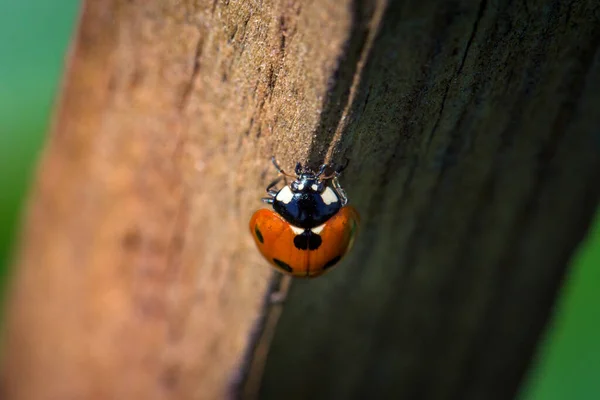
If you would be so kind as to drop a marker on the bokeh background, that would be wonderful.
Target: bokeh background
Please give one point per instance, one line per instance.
(34, 40)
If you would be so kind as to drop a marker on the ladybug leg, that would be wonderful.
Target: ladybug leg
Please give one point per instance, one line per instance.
(272, 192)
(340, 191)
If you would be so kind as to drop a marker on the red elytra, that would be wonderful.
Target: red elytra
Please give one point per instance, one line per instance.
(277, 240)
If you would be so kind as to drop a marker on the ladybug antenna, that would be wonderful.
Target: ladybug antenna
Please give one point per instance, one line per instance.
(278, 168)
(337, 170)
(322, 170)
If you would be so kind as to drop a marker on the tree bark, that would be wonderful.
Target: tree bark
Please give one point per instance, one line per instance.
(472, 133)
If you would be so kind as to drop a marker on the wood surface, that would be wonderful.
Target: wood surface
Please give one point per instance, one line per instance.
(472, 129)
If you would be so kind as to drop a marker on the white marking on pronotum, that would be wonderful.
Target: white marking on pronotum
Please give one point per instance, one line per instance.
(328, 196)
(297, 230)
(285, 195)
(301, 186)
(314, 187)
(318, 229)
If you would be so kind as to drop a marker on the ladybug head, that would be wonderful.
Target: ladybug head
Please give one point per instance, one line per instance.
(311, 198)
(307, 180)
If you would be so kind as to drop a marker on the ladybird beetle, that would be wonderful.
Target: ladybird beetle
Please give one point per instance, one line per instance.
(310, 227)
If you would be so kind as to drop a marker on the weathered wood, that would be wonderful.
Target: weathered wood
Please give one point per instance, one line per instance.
(472, 131)
(476, 165)
(137, 278)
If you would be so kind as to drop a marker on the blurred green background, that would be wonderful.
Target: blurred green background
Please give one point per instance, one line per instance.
(34, 38)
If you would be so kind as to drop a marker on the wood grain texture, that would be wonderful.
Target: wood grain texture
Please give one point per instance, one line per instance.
(472, 130)
(473, 135)
(137, 278)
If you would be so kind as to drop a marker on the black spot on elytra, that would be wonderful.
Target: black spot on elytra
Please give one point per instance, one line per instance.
(259, 235)
(332, 262)
(307, 240)
(282, 265)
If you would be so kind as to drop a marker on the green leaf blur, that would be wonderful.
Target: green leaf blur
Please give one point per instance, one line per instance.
(34, 36)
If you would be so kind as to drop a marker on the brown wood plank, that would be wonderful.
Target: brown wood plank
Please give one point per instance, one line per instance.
(137, 278)
(475, 152)
(472, 133)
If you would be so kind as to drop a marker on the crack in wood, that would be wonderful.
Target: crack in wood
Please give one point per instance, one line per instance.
(189, 85)
(480, 12)
(245, 382)
(345, 76)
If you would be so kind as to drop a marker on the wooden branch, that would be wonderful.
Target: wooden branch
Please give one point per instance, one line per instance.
(471, 127)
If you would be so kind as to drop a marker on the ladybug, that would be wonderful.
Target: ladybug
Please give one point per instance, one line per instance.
(310, 227)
